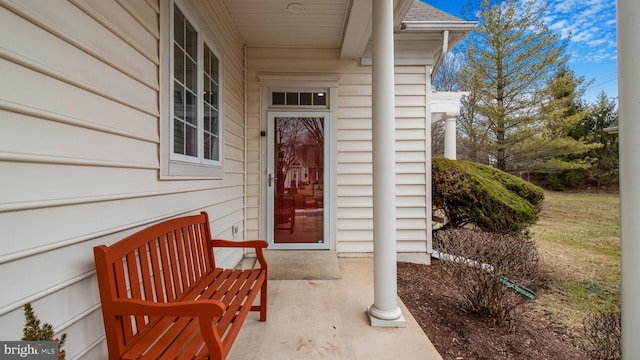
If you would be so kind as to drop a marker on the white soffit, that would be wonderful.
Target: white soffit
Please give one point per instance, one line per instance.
(333, 24)
(289, 23)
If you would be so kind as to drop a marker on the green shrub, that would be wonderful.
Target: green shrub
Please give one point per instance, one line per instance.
(473, 194)
(569, 179)
(555, 182)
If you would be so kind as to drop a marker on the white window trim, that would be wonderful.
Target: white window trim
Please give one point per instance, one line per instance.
(177, 166)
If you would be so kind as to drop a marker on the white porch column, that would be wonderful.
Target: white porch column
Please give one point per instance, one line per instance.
(450, 136)
(629, 131)
(385, 310)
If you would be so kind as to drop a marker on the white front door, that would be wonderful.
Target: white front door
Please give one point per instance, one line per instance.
(298, 179)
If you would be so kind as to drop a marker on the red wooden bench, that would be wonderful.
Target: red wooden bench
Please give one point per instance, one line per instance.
(163, 297)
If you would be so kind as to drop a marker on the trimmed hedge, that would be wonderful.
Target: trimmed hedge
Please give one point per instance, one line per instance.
(473, 194)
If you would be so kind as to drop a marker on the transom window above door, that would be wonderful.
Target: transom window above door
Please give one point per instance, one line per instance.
(281, 98)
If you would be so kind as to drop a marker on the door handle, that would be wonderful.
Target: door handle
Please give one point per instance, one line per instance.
(271, 178)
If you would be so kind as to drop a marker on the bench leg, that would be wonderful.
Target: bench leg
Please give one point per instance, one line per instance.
(263, 301)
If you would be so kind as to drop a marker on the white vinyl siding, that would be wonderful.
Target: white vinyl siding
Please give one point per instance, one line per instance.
(353, 213)
(354, 189)
(80, 152)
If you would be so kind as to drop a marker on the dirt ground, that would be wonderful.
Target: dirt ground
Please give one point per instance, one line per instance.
(456, 335)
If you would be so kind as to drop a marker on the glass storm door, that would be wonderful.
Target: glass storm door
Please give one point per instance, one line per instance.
(296, 180)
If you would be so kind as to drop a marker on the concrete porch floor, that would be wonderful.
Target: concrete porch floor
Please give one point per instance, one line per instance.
(326, 319)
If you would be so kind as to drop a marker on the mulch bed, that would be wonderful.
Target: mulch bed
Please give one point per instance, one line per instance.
(436, 305)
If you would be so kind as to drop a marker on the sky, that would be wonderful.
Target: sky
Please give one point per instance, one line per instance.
(590, 26)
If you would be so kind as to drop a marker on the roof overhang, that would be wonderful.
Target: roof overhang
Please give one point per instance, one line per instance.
(449, 33)
(357, 32)
(345, 25)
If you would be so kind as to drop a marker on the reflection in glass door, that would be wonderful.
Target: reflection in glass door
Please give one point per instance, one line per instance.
(296, 180)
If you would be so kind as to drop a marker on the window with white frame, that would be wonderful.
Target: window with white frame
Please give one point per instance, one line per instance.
(192, 142)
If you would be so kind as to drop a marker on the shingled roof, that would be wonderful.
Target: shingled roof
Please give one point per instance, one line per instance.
(420, 11)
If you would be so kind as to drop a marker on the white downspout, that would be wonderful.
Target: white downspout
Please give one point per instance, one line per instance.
(629, 107)
(385, 310)
(443, 53)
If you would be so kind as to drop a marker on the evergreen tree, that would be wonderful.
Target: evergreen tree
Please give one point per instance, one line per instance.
(552, 149)
(474, 132)
(593, 129)
(599, 117)
(601, 160)
(510, 56)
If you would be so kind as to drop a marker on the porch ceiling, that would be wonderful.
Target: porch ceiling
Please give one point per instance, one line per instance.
(334, 24)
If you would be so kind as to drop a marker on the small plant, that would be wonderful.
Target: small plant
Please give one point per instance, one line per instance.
(33, 331)
(480, 263)
(603, 334)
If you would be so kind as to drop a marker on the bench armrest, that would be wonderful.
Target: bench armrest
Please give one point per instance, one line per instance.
(240, 244)
(256, 244)
(199, 308)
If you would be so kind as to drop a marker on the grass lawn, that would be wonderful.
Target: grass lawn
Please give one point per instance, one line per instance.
(578, 237)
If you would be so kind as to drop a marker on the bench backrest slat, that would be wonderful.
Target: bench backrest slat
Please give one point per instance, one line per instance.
(146, 273)
(157, 263)
(135, 285)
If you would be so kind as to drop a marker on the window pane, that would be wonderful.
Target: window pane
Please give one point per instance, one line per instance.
(190, 108)
(215, 122)
(207, 147)
(191, 74)
(207, 61)
(210, 71)
(207, 119)
(210, 64)
(319, 98)
(216, 149)
(191, 40)
(178, 27)
(305, 99)
(178, 136)
(211, 132)
(211, 148)
(191, 141)
(178, 64)
(207, 91)
(214, 69)
(292, 98)
(178, 101)
(277, 98)
(207, 132)
(214, 98)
